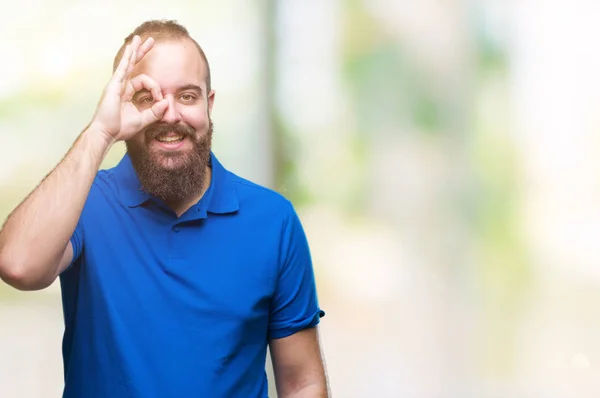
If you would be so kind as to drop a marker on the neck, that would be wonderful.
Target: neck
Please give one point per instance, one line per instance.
(181, 206)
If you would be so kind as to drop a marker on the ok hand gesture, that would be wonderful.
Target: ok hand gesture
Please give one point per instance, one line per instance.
(117, 117)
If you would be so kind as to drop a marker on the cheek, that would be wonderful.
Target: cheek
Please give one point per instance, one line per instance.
(197, 118)
(138, 141)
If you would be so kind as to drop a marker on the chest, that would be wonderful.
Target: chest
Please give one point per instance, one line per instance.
(152, 268)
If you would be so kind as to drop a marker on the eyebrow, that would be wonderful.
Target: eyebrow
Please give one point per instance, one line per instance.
(191, 87)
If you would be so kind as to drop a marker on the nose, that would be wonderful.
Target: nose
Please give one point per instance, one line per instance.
(172, 114)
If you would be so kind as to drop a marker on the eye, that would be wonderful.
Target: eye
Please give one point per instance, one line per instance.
(147, 99)
(187, 97)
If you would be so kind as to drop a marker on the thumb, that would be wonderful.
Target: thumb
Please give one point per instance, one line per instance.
(154, 113)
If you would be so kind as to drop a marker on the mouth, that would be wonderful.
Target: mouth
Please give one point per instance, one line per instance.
(170, 141)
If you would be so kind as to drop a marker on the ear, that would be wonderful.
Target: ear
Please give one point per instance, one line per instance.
(211, 100)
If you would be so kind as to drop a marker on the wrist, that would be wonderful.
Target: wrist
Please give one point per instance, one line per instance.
(97, 136)
(96, 143)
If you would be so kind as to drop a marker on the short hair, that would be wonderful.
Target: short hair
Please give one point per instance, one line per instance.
(162, 30)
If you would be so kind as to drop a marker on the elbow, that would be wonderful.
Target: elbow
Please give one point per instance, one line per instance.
(19, 276)
(307, 391)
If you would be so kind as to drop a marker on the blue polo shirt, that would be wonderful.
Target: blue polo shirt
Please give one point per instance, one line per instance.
(162, 306)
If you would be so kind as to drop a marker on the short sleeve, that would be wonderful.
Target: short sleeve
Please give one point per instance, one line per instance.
(77, 243)
(295, 304)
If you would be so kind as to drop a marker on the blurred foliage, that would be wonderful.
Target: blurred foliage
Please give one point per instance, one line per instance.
(502, 276)
(16, 106)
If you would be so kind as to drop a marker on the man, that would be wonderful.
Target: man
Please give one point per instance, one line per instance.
(176, 274)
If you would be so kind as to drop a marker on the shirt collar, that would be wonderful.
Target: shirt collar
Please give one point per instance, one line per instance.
(220, 198)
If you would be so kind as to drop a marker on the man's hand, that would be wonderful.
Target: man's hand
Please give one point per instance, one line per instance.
(117, 117)
(35, 244)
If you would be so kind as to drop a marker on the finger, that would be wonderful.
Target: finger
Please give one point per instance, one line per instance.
(121, 71)
(144, 48)
(135, 45)
(154, 113)
(142, 82)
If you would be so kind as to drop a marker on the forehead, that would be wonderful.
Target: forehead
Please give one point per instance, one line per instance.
(173, 64)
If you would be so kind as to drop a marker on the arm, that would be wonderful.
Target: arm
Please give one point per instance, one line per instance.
(35, 240)
(298, 366)
(294, 318)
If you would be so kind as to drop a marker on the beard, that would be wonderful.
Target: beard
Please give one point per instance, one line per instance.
(171, 176)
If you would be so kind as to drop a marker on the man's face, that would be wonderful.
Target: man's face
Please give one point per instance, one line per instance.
(171, 155)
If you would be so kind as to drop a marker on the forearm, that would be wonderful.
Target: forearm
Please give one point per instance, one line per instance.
(302, 383)
(35, 235)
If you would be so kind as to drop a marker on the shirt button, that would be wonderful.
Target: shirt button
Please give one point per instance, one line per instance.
(176, 228)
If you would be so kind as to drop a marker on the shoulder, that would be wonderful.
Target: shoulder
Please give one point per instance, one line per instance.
(103, 183)
(251, 194)
(104, 176)
(103, 191)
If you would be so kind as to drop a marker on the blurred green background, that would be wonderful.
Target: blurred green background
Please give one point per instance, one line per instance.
(442, 155)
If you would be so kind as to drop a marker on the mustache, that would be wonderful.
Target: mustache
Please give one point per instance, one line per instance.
(158, 129)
